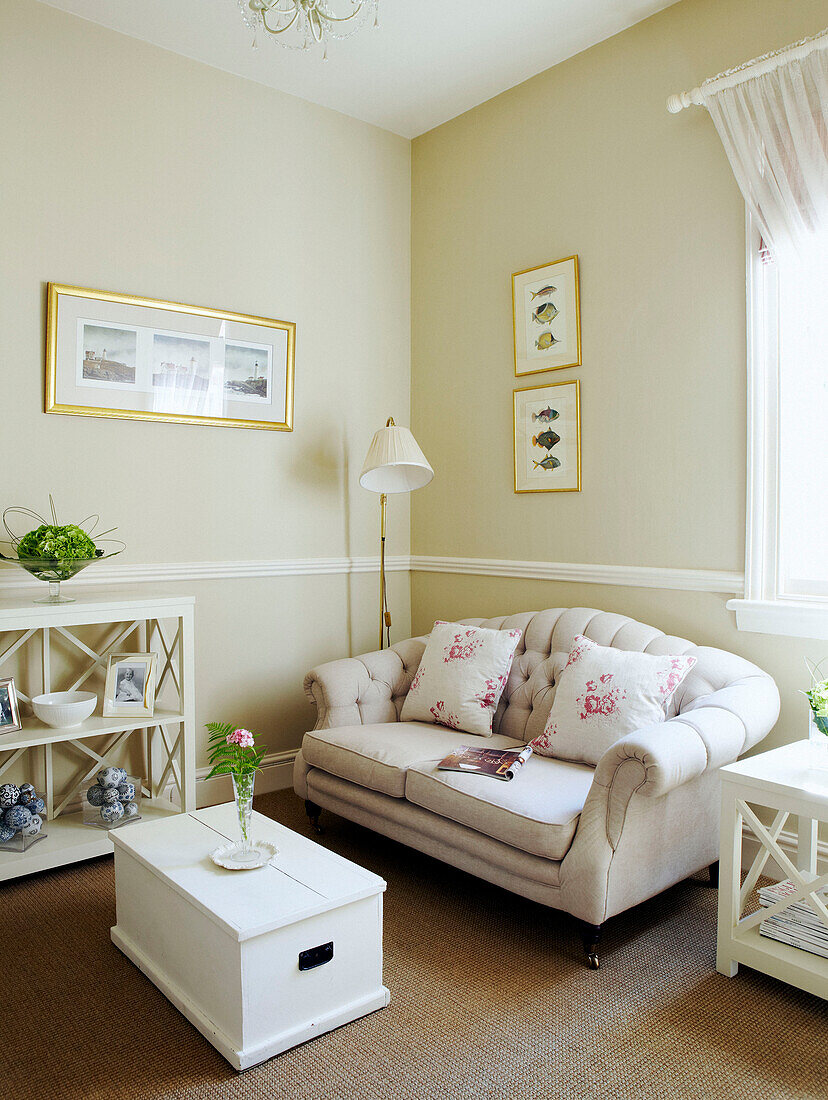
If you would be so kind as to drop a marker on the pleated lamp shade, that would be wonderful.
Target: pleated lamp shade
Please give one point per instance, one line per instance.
(394, 463)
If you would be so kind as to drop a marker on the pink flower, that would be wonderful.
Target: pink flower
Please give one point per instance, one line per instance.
(243, 738)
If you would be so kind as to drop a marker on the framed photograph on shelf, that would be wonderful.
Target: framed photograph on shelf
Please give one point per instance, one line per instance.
(546, 313)
(547, 423)
(9, 707)
(116, 355)
(130, 685)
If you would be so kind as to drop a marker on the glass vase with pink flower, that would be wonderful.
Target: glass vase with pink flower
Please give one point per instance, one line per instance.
(232, 751)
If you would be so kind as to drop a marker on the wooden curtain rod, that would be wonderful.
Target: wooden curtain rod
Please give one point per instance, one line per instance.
(757, 67)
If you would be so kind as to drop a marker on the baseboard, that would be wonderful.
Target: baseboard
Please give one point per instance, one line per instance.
(788, 844)
(276, 774)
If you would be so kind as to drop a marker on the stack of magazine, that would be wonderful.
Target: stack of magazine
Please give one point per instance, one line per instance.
(797, 925)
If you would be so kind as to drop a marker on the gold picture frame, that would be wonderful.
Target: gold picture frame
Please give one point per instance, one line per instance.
(137, 383)
(547, 463)
(546, 317)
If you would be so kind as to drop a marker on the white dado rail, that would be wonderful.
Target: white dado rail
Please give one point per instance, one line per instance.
(630, 576)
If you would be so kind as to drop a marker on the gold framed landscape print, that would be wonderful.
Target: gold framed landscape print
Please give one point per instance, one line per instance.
(118, 355)
(546, 314)
(547, 425)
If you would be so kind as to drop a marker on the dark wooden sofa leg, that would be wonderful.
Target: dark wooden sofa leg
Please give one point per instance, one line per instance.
(313, 811)
(713, 871)
(592, 937)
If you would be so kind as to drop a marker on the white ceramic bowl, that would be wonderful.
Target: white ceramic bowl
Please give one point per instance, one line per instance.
(64, 709)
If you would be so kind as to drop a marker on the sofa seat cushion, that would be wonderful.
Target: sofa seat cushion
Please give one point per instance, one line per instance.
(537, 811)
(378, 756)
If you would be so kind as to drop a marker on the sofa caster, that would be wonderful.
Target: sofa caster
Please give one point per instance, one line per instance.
(313, 811)
(713, 871)
(592, 937)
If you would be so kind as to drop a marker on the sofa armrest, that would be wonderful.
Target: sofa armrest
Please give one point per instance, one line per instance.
(370, 688)
(335, 689)
(712, 731)
(626, 808)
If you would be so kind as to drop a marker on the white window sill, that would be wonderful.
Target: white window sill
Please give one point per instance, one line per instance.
(791, 617)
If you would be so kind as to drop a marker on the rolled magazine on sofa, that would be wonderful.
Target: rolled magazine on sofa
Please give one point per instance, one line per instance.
(498, 763)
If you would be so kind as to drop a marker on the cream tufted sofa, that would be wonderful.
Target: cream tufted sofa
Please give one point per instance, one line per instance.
(590, 841)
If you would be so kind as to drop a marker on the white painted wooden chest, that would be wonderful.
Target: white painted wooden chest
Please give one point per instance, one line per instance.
(228, 948)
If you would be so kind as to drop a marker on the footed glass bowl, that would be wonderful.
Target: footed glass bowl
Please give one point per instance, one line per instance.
(55, 570)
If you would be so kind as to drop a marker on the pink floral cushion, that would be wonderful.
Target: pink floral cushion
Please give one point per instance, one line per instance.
(461, 677)
(603, 694)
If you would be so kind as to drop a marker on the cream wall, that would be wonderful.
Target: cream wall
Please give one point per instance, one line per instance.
(585, 159)
(128, 168)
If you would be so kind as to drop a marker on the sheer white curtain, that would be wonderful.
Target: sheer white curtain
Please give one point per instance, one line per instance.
(774, 127)
(772, 118)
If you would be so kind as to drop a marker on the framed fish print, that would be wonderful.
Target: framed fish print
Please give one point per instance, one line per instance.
(548, 438)
(116, 355)
(546, 312)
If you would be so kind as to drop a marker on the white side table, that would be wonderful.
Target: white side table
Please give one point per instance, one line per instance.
(257, 960)
(783, 780)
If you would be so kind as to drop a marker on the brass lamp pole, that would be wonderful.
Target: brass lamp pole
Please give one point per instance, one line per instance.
(385, 614)
(394, 464)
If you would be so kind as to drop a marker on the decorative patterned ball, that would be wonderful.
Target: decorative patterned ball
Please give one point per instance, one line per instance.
(112, 812)
(6, 833)
(34, 826)
(110, 796)
(130, 809)
(126, 792)
(95, 795)
(27, 794)
(110, 777)
(9, 795)
(18, 817)
(37, 806)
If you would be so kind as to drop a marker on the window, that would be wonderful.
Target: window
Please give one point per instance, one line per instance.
(786, 582)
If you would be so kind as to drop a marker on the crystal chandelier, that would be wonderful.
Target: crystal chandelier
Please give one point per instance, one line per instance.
(299, 24)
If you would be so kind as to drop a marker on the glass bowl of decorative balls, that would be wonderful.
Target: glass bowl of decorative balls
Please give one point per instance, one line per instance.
(22, 813)
(112, 799)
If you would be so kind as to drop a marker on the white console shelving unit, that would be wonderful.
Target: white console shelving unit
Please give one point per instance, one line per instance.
(30, 631)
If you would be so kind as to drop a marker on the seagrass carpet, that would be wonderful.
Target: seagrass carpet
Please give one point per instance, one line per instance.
(489, 998)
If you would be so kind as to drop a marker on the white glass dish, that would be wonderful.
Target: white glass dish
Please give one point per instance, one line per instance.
(261, 853)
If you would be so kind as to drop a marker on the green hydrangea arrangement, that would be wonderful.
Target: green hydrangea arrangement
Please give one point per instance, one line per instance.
(818, 697)
(53, 542)
(54, 552)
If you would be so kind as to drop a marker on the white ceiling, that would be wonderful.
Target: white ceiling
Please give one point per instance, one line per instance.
(428, 61)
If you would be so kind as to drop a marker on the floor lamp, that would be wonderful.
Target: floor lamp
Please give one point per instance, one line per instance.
(394, 464)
